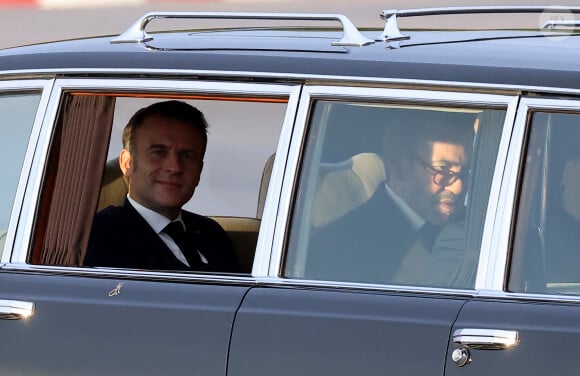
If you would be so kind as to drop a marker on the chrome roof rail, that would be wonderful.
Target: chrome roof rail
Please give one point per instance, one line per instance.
(551, 24)
(351, 35)
(392, 32)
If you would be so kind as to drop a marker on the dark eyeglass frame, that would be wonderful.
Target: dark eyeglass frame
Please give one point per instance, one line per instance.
(441, 176)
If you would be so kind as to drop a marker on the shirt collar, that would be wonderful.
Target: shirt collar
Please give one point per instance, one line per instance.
(154, 219)
(416, 221)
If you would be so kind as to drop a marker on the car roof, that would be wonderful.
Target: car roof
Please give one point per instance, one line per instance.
(502, 57)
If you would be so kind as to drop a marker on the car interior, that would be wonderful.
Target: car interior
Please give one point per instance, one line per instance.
(61, 238)
(243, 231)
(346, 167)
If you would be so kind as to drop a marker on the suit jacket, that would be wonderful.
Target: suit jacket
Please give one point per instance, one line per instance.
(121, 238)
(368, 244)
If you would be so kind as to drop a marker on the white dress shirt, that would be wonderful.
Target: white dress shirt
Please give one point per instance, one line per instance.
(158, 223)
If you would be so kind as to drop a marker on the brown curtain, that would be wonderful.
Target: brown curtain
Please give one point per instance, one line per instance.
(74, 178)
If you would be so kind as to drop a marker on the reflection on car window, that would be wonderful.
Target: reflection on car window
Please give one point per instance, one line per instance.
(393, 195)
(18, 113)
(546, 254)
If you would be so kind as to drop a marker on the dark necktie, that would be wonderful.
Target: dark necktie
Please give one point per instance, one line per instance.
(429, 233)
(177, 233)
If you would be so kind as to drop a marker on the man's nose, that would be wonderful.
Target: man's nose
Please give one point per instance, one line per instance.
(456, 187)
(172, 162)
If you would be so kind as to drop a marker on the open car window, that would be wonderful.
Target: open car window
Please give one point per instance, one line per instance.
(84, 176)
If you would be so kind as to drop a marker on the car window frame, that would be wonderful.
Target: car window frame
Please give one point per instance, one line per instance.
(152, 87)
(436, 97)
(28, 173)
(498, 267)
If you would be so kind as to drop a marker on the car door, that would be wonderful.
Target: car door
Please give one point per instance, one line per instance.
(528, 320)
(318, 311)
(61, 318)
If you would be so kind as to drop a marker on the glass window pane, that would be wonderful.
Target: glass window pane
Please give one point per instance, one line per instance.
(18, 112)
(393, 194)
(546, 248)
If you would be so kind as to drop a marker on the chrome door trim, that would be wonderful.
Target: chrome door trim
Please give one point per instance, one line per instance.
(496, 268)
(33, 188)
(424, 97)
(44, 87)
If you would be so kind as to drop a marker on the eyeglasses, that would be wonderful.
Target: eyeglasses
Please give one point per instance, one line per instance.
(442, 176)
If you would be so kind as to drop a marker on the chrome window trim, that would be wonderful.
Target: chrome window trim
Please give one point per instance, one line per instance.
(357, 286)
(149, 275)
(488, 259)
(532, 297)
(44, 88)
(154, 86)
(269, 247)
(497, 267)
(479, 86)
(423, 97)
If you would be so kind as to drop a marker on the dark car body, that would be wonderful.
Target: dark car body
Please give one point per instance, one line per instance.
(294, 114)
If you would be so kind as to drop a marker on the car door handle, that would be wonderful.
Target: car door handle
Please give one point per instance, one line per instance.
(15, 310)
(486, 339)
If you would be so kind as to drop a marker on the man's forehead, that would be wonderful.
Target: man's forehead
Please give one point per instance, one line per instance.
(452, 153)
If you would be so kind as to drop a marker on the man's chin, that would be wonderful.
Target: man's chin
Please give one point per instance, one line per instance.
(444, 215)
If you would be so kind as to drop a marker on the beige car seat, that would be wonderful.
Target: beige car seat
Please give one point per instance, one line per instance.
(345, 185)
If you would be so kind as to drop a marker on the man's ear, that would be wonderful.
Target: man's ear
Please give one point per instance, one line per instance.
(126, 163)
(199, 175)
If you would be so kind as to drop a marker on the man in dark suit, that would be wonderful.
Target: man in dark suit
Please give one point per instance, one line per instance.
(162, 158)
(389, 238)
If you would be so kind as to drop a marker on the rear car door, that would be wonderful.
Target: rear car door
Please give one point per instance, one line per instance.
(528, 319)
(61, 318)
(318, 311)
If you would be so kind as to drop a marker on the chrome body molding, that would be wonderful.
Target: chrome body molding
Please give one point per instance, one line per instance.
(130, 274)
(247, 280)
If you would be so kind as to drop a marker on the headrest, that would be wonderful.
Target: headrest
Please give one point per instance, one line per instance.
(114, 187)
(346, 185)
(266, 174)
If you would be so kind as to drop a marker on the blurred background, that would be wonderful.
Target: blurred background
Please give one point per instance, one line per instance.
(33, 21)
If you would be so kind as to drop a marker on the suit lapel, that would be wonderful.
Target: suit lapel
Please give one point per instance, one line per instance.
(151, 250)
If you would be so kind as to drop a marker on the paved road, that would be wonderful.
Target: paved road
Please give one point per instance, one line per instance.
(20, 26)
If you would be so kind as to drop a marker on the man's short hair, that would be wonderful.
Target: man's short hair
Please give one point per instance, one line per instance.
(172, 109)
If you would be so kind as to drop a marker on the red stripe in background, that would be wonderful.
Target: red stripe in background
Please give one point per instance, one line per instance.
(17, 3)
